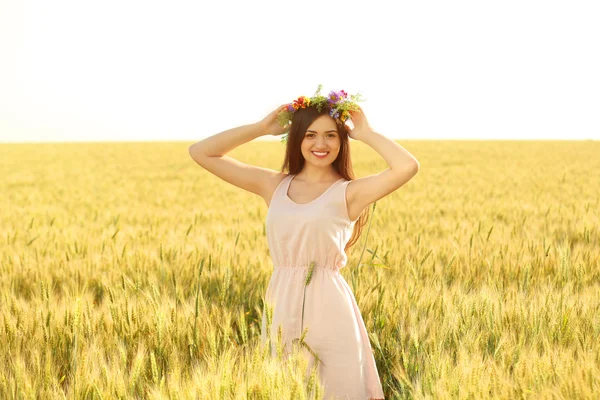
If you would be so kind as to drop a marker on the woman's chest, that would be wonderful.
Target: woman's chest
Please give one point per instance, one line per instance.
(325, 218)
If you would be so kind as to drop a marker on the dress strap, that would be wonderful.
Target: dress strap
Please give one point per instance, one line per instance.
(281, 189)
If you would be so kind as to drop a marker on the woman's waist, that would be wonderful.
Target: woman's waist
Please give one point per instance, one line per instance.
(305, 267)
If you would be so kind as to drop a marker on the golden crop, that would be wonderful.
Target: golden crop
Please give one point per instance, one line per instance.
(128, 271)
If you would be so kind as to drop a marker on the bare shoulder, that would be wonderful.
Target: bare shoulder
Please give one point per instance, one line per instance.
(255, 179)
(363, 191)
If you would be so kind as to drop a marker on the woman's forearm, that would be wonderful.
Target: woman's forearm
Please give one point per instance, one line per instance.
(396, 156)
(222, 143)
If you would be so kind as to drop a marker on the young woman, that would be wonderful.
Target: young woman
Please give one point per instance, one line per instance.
(311, 221)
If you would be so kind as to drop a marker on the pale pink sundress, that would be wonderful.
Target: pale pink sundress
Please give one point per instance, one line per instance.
(318, 231)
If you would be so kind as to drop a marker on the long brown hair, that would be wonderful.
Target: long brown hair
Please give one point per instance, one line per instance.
(294, 160)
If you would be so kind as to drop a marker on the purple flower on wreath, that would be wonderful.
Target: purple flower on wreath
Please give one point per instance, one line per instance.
(335, 97)
(290, 108)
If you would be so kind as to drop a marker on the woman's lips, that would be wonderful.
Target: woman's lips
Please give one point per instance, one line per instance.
(320, 156)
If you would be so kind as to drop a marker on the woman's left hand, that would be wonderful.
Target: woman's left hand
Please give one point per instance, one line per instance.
(361, 125)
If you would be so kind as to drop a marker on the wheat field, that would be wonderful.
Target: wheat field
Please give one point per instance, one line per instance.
(127, 271)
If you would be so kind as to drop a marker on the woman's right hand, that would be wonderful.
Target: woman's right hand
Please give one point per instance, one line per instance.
(271, 126)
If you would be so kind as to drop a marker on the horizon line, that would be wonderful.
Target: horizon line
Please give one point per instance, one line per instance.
(278, 140)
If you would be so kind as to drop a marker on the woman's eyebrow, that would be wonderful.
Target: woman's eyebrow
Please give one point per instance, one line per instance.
(331, 130)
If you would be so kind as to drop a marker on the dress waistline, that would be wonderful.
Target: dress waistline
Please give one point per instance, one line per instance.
(330, 267)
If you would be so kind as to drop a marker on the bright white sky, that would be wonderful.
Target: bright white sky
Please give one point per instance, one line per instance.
(183, 70)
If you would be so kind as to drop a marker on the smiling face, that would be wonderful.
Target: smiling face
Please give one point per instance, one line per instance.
(320, 137)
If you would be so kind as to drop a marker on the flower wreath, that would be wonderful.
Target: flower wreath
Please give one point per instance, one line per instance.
(339, 104)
